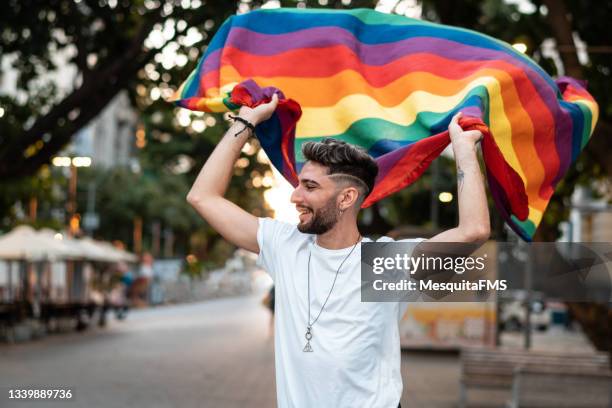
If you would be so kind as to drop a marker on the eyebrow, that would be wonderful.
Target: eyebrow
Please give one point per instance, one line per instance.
(305, 180)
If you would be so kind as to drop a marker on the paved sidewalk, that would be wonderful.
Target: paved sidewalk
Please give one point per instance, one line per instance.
(210, 354)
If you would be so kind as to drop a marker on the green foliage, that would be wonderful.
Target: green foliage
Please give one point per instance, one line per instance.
(46, 189)
(105, 42)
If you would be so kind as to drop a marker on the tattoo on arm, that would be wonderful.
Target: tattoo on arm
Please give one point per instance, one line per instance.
(460, 176)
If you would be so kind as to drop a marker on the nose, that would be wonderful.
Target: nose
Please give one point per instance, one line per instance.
(296, 196)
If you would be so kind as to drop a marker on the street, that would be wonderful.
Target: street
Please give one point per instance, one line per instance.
(211, 354)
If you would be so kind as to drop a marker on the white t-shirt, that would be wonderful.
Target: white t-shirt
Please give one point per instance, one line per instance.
(356, 347)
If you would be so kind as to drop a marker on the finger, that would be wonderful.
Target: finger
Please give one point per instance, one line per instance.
(455, 119)
(473, 133)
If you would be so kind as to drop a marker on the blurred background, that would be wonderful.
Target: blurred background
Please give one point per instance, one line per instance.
(111, 285)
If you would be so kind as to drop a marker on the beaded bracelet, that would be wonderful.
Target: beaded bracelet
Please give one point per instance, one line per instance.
(246, 123)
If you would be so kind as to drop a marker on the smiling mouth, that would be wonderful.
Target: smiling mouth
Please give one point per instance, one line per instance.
(304, 213)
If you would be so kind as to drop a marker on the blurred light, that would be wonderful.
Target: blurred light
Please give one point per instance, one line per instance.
(151, 4)
(75, 222)
(167, 93)
(92, 60)
(153, 75)
(58, 236)
(141, 140)
(184, 118)
(198, 125)
(61, 161)
(74, 114)
(249, 149)
(445, 197)
(1, 112)
(155, 94)
(182, 165)
(267, 181)
(81, 161)
(242, 163)
(210, 121)
(523, 6)
(181, 60)
(520, 47)
(262, 157)
(272, 4)
(193, 36)
(155, 38)
(278, 198)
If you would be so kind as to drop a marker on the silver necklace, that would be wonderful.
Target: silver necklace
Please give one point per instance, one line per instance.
(308, 335)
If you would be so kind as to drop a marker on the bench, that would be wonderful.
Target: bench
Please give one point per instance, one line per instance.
(494, 368)
(540, 387)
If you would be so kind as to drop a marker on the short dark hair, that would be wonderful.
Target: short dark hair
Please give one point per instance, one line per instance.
(343, 159)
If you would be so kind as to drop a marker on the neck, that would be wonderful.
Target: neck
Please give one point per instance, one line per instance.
(343, 235)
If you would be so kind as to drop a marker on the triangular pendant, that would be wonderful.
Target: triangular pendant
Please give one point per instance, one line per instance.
(307, 348)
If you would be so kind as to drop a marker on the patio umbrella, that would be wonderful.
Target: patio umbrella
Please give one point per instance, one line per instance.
(61, 247)
(124, 256)
(24, 243)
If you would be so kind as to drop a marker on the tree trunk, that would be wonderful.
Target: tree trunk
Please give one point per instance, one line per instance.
(560, 24)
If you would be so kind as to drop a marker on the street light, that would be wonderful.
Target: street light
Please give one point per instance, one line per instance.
(60, 161)
(73, 163)
(81, 161)
(78, 161)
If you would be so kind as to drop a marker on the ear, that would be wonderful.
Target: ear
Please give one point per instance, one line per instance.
(347, 198)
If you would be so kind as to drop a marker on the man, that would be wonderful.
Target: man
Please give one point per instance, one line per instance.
(331, 349)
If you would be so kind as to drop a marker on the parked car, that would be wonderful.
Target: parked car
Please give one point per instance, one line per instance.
(514, 315)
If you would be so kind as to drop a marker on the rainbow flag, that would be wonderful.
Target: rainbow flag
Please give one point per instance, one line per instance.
(391, 84)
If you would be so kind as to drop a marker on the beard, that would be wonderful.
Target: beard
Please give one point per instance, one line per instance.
(322, 220)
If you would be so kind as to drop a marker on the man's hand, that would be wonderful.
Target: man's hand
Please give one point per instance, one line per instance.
(207, 193)
(460, 138)
(260, 113)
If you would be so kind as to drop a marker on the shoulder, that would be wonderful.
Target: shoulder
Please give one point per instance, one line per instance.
(268, 224)
(278, 231)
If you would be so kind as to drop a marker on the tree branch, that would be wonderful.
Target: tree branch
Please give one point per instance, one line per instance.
(561, 26)
(91, 97)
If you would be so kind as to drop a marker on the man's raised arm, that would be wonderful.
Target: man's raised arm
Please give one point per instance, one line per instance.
(474, 225)
(207, 193)
(473, 228)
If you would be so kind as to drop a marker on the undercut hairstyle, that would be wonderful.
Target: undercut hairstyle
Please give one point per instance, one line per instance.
(344, 161)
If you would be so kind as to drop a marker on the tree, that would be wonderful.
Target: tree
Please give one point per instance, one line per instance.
(109, 43)
(561, 20)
